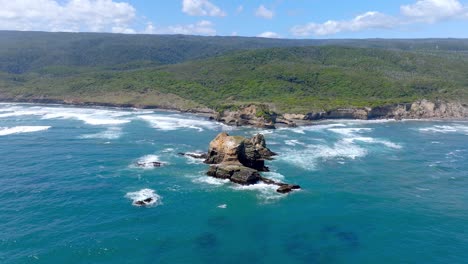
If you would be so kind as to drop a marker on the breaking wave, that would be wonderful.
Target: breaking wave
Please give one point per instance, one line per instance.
(144, 194)
(21, 129)
(175, 122)
(444, 129)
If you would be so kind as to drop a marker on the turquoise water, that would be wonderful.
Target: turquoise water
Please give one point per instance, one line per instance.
(373, 192)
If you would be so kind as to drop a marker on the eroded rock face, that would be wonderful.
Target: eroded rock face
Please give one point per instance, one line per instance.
(235, 173)
(240, 159)
(250, 115)
(415, 110)
(236, 150)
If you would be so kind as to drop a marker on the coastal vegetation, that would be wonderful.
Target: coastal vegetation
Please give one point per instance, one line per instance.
(191, 72)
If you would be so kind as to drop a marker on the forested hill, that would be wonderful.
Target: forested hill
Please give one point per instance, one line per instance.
(28, 51)
(185, 72)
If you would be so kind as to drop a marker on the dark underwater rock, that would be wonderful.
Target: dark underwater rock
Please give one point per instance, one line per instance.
(152, 164)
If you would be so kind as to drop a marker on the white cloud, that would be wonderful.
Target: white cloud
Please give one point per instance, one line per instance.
(201, 8)
(433, 10)
(422, 11)
(264, 12)
(269, 34)
(369, 20)
(72, 15)
(202, 27)
(240, 9)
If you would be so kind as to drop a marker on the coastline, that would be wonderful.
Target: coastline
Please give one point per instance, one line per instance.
(256, 122)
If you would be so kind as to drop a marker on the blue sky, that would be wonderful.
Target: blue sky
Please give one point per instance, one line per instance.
(268, 18)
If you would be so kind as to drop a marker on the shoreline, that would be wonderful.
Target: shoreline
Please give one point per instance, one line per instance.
(211, 115)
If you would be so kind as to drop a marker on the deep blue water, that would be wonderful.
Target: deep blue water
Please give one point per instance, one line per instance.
(373, 192)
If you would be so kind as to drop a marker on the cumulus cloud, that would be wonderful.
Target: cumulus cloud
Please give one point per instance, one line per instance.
(369, 20)
(72, 15)
(201, 8)
(269, 34)
(422, 11)
(264, 12)
(203, 27)
(433, 10)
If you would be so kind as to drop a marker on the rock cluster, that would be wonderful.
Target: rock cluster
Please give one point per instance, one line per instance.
(240, 160)
(416, 110)
(262, 116)
(253, 115)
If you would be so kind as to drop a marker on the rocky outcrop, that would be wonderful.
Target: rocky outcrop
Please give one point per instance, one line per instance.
(262, 116)
(249, 115)
(416, 110)
(236, 150)
(240, 160)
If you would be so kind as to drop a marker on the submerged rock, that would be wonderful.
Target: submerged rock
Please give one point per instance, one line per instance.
(151, 164)
(241, 159)
(194, 155)
(144, 202)
(286, 188)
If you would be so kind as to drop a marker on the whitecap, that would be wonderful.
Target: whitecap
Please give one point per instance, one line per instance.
(146, 162)
(21, 129)
(444, 129)
(222, 206)
(110, 133)
(350, 131)
(293, 142)
(265, 192)
(273, 175)
(143, 195)
(192, 159)
(386, 143)
(320, 127)
(175, 122)
(88, 115)
(210, 180)
(309, 157)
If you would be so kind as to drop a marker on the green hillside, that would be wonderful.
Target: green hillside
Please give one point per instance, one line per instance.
(189, 71)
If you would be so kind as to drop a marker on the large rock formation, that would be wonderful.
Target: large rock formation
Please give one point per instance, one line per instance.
(262, 116)
(415, 110)
(253, 115)
(240, 160)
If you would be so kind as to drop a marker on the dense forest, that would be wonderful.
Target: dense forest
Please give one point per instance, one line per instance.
(186, 72)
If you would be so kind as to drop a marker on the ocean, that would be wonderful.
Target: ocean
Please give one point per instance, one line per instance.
(372, 191)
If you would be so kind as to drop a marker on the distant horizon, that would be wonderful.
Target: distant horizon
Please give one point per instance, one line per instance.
(229, 36)
(332, 19)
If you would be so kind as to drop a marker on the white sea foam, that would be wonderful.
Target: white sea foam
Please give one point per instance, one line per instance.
(444, 129)
(222, 206)
(309, 157)
(110, 133)
(293, 142)
(303, 129)
(88, 115)
(144, 194)
(193, 160)
(146, 162)
(21, 129)
(167, 150)
(273, 175)
(386, 143)
(175, 122)
(211, 180)
(265, 192)
(350, 131)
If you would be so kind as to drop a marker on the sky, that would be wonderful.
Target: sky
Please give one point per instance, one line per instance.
(308, 19)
